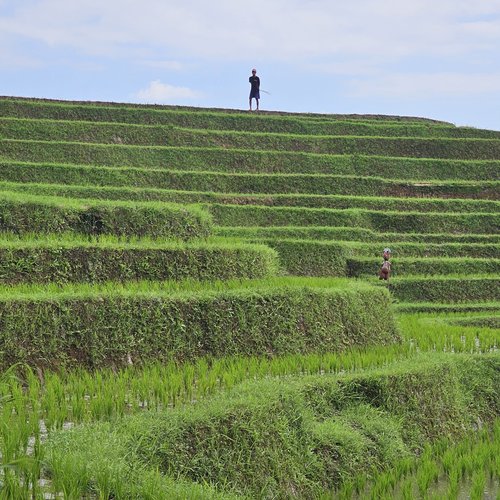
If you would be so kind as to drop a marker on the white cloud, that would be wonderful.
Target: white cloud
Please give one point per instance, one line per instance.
(166, 65)
(427, 85)
(355, 67)
(11, 59)
(275, 29)
(158, 92)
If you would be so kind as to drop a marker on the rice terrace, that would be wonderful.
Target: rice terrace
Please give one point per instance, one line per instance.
(190, 304)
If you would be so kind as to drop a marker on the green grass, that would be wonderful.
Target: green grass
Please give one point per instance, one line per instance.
(451, 289)
(440, 331)
(112, 133)
(125, 191)
(337, 258)
(439, 307)
(359, 236)
(79, 395)
(486, 321)
(401, 267)
(406, 222)
(141, 113)
(299, 434)
(274, 387)
(22, 213)
(111, 324)
(71, 258)
(198, 118)
(314, 190)
(439, 249)
(249, 161)
(446, 469)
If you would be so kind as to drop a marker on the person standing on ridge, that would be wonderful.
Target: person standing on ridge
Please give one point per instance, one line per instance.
(385, 270)
(255, 89)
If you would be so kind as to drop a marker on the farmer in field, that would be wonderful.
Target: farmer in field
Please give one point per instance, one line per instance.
(255, 89)
(385, 270)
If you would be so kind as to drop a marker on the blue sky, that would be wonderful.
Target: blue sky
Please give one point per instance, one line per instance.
(437, 59)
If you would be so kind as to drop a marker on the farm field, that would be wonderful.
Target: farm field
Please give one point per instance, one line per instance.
(190, 304)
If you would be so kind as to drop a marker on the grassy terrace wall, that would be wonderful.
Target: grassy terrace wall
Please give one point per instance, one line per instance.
(327, 258)
(447, 289)
(310, 258)
(108, 133)
(24, 213)
(425, 266)
(290, 437)
(72, 259)
(355, 234)
(249, 161)
(68, 259)
(406, 222)
(281, 189)
(94, 327)
(231, 119)
(96, 196)
(419, 250)
(209, 119)
(130, 193)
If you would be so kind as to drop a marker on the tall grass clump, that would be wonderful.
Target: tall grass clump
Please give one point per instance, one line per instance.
(263, 437)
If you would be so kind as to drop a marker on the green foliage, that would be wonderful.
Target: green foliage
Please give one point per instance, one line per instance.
(363, 235)
(437, 307)
(125, 191)
(307, 190)
(327, 193)
(299, 435)
(402, 250)
(406, 222)
(102, 132)
(72, 259)
(446, 289)
(310, 258)
(424, 266)
(25, 213)
(449, 331)
(249, 161)
(96, 327)
(463, 469)
(210, 119)
(327, 258)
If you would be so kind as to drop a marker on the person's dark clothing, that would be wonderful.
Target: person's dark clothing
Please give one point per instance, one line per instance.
(254, 91)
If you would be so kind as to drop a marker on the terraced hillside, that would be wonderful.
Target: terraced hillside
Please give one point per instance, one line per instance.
(193, 249)
(328, 193)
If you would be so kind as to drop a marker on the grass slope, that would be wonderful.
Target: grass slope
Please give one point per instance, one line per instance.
(292, 437)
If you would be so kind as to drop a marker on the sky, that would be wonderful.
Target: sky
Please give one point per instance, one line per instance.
(437, 59)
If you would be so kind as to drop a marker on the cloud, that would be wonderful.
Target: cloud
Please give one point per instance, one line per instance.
(427, 85)
(11, 58)
(158, 92)
(166, 65)
(224, 29)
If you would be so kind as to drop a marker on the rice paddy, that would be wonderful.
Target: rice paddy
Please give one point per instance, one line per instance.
(173, 278)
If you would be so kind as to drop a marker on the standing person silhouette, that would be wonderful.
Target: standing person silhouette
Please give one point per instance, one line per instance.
(255, 89)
